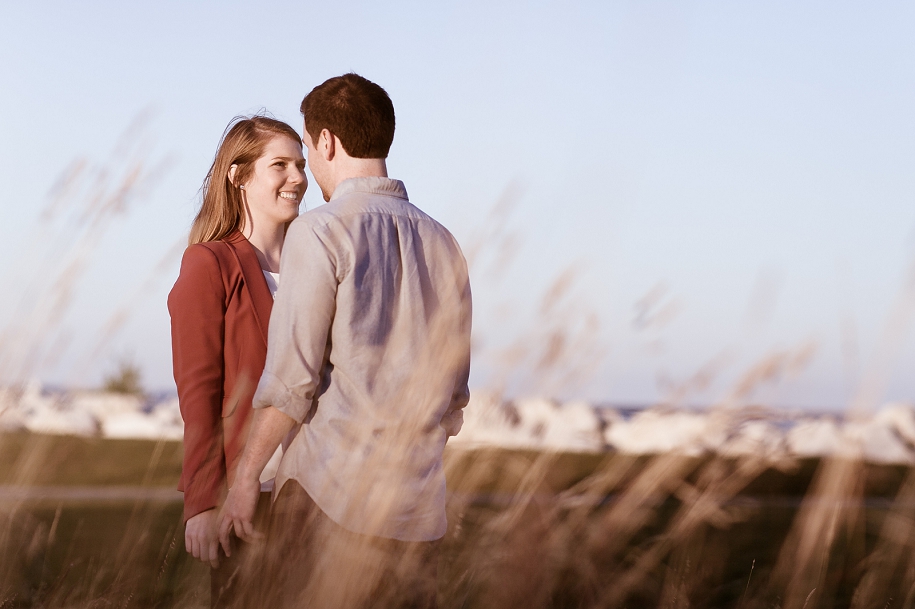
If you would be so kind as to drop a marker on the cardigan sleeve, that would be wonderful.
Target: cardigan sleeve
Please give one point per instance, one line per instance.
(197, 306)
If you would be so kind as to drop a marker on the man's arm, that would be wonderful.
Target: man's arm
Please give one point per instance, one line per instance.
(453, 419)
(299, 325)
(268, 429)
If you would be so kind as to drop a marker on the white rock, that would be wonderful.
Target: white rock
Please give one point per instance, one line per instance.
(874, 441)
(815, 437)
(755, 438)
(168, 415)
(901, 418)
(102, 404)
(580, 428)
(529, 423)
(33, 400)
(44, 413)
(487, 422)
(573, 426)
(131, 425)
(654, 431)
(11, 417)
(49, 419)
(162, 422)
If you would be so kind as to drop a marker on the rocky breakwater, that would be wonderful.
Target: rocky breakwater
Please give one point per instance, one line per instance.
(885, 436)
(89, 413)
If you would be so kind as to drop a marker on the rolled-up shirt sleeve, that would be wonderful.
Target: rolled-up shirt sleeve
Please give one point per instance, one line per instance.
(302, 315)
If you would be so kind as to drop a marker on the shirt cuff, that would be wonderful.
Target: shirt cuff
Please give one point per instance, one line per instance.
(271, 391)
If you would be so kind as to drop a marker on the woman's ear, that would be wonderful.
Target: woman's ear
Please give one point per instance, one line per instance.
(231, 174)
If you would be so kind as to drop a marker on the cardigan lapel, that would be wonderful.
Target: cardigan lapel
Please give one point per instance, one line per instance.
(254, 279)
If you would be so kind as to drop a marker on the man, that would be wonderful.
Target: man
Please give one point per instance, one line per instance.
(368, 349)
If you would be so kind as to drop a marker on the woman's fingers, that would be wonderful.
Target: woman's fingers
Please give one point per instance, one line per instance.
(203, 549)
(200, 535)
(189, 542)
(213, 552)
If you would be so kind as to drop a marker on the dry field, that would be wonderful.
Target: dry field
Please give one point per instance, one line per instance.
(95, 523)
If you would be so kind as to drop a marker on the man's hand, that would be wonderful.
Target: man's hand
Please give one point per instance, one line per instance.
(238, 513)
(200, 537)
(267, 430)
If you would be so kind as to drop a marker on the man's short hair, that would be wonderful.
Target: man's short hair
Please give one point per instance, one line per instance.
(356, 110)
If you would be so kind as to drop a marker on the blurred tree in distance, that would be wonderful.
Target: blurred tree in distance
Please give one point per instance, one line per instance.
(125, 380)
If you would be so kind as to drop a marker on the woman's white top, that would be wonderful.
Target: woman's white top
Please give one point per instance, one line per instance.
(269, 473)
(273, 282)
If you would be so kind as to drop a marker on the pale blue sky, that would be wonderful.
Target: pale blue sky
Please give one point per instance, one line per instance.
(742, 157)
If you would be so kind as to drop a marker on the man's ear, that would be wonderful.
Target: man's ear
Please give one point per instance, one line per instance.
(231, 174)
(327, 144)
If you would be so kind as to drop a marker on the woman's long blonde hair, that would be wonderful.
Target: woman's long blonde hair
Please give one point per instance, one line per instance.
(223, 210)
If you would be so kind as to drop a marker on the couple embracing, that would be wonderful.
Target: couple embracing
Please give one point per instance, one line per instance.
(321, 361)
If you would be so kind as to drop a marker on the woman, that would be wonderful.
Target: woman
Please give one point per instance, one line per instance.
(220, 307)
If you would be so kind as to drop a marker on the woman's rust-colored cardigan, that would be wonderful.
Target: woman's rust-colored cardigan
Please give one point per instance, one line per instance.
(220, 307)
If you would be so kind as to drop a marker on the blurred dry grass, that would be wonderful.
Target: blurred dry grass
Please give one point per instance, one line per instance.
(84, 204)
(526, 530)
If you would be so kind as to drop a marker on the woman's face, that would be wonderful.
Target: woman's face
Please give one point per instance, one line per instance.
(277, 183)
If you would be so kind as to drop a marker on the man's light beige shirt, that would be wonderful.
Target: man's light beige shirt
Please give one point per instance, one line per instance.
(369, 348)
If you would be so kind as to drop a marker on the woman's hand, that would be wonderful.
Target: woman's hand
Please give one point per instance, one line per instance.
(200, 537)
(238, 513)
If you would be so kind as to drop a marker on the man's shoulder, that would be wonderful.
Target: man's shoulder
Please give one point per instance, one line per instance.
(314, 220)
(358, 208)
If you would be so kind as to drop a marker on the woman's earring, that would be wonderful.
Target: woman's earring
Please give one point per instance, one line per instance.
(242, 187)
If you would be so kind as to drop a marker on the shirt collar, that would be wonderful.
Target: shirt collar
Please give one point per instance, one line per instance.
(373, 185)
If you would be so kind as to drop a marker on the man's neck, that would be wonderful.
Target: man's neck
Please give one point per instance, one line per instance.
(359, 168)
